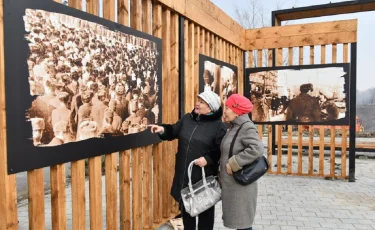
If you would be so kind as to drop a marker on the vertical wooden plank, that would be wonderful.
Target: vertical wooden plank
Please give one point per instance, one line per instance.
(333, 128)
(311, 129)
(92, 7)
(260, 64)
(279, 62)
(147, 188)
(158, 149)
(110, 159)
(269, 129)
(124, 156)
(147, 153)
(77, 4)
(109, 9)
(146, 16)
(191, 56)
(344, 128)
(58, 199)
(290, 127)
(208, 48)
(95, 193)
(123, 12)
(35, 184)
(195, 75)
(125, 200)
(240, 79)
(166, 109)
(137, 161)
(174, 50)
(95, 169)
(187, 58)
(300, 57)
(226, 52)
(8, 190)
(219, 50)
(212, 45)
(202, 41)
(217, 47)
(321, 128)
(78, 195)
(137, 188)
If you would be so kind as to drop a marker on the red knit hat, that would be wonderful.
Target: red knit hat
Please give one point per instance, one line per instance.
(239, 104)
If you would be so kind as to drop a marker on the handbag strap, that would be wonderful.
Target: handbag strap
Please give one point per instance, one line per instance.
(190, 169)
(234, 140)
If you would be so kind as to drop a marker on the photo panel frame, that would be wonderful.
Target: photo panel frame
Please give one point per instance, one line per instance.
(299, 95)
(77, 85)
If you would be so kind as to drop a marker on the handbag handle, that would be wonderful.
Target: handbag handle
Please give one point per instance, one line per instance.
(190, 169)
(234, 140)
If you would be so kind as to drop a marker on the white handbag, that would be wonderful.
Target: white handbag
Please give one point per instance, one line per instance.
(202, 195)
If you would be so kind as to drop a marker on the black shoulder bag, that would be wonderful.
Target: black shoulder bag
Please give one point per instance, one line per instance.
(251, 172)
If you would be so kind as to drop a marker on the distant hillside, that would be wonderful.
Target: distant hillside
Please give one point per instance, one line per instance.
(366, 114)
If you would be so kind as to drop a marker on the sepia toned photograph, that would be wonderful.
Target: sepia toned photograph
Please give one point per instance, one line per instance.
(88, 80)
(217, 76)
(299, 95)
(84, 79)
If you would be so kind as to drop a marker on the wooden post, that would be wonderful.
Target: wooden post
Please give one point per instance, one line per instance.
(8, 190)
(158, 149)
(290, 127)
(35, 184)
(300, 50)
(166, 110)
(344, 143)
(321, 128)
(95, 165)
(110, 159)
(311, 128)
(58, 197)
(333, 128)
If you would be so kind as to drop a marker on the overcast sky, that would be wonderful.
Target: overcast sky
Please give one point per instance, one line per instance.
(366, 31)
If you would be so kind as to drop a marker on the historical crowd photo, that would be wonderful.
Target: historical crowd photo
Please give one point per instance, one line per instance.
(218, 78)
(298, 96)
(87, 81)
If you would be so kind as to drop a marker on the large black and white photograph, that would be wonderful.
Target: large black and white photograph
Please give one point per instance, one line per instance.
(217, 76)
(83, 81)
(299, 94)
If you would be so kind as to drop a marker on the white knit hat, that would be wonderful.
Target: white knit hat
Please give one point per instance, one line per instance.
(212, 99)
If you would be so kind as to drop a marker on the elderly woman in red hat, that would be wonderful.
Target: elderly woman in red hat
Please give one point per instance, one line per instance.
(239, 202)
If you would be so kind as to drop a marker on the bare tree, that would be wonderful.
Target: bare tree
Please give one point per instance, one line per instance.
(255, 16)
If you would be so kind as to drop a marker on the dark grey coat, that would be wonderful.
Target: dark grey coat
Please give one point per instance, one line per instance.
(198, 136)
(239, 202)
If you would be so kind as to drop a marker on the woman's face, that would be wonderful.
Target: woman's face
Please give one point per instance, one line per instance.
(201, 107)
(229, 115)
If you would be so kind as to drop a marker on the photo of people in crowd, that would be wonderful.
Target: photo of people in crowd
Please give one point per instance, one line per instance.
(87, 81)
(290, 95)
(217, 76)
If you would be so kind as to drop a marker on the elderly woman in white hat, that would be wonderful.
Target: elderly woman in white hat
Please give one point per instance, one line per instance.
(199, 135)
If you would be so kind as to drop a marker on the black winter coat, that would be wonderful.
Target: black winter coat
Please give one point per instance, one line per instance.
(198, 136)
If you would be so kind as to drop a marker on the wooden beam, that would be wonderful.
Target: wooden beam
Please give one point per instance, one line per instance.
(303, 40)
(210, 17)
(324, 10)
(303, 29)
(322, 33)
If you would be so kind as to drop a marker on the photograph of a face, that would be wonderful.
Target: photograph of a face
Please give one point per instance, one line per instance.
(299, 95)
(217, 76)
(86, 86)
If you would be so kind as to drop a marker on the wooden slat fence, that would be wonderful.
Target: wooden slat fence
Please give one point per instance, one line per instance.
(299, 43)
(136, 182)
